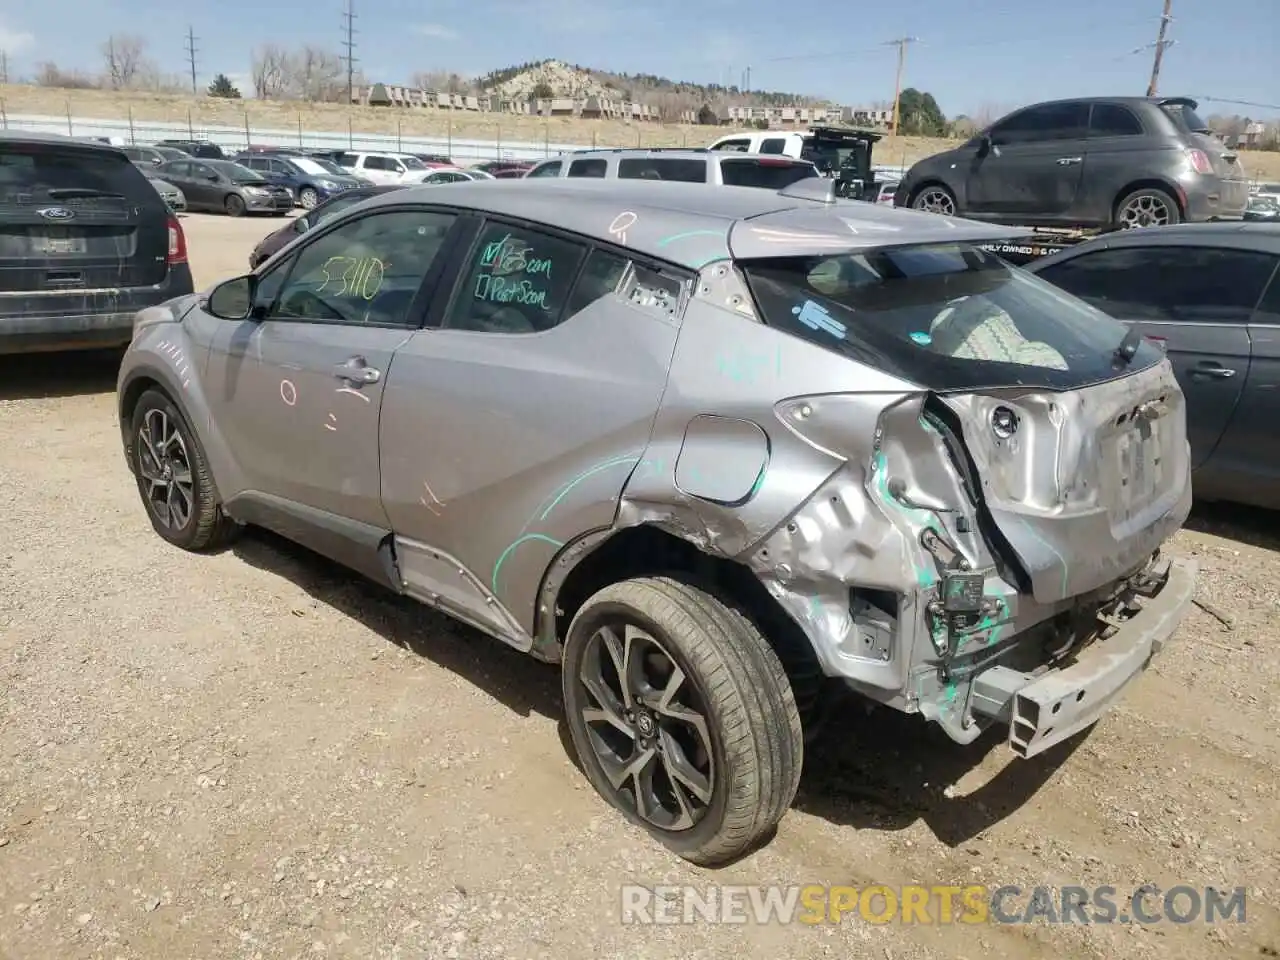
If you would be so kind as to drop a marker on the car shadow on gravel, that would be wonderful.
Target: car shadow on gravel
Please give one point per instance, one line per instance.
(524, 685)
(74, 373)
(876, 768)
(1249, 525)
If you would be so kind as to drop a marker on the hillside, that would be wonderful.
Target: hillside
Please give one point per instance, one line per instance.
(558, 79)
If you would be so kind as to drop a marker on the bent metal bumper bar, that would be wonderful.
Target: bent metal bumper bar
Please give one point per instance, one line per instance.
(1046, 710)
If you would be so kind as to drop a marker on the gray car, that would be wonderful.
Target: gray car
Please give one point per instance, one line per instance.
(1211, 294)
(1096, 163)
(701, 448)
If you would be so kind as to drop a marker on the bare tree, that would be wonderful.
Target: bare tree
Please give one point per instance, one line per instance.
(49, 74)
(431, 80)
(271, 70)
(316, 74)
(123, 54)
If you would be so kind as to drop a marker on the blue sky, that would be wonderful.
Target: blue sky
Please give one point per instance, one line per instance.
(973, 56)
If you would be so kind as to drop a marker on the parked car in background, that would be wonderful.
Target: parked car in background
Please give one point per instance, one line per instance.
(1106, 162)
(842, 153)
(221, 186)
(205, 149)
(273, 242)
(306, 178)
(435, 159)
(384, 167)
(77, 219)
(1210, 293)
(455, 175)
(732, 169)
(1263, 207)
(172, 196)
(1266, 190)
(153, 156)
(504, 169)
(775, 440)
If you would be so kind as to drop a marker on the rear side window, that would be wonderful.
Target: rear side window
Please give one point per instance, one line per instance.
(1170, 284)
(1113, 120)
(663, 168)
(734, 146)
(1185, 117)
(945, 316)
(750, 172)
(776, 145)
(600, 277)
(73, 177)
(551, 169)
(518, 281)
(595, 167)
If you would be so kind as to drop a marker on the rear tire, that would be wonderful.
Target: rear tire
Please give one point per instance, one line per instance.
(173, 477)
(234, 205)
(1146, 207)
(707, 761)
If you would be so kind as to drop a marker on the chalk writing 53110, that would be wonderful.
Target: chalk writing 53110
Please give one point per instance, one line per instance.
(360, 276)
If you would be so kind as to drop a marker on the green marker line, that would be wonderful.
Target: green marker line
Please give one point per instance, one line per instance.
(502, 558)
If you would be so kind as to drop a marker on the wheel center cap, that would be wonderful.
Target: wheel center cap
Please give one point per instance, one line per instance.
(166, 471)
(644, 721)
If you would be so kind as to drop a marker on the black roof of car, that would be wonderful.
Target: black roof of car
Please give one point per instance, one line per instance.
(1240, 235)
(57, 140)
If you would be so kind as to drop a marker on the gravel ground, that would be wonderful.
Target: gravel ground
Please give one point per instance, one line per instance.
(250, 755)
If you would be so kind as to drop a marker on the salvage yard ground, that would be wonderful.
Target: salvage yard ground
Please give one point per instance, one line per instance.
(254, 755)
(251, 115)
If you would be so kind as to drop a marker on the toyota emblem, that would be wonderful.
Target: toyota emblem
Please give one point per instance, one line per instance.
(1004, 422)
(56, 213)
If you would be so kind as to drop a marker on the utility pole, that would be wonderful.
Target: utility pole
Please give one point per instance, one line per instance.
(191, 55)
(1161, 43)
(4, 66)
(349, 15)
(746, 87)
(901, 44)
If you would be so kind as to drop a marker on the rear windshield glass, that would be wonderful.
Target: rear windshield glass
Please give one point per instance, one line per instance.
(663, 168)
(768, 174)
(41, 173)
(1187, 117)
(948, 317)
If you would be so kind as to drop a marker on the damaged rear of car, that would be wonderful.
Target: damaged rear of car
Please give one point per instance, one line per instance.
(990, 549)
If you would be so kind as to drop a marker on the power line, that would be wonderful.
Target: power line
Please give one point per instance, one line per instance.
(191, 56)
(349, 15)
(1242, 103)
(901, 43)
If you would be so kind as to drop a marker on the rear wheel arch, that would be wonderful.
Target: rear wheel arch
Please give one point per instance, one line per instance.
(608, 556)
(1149, 183)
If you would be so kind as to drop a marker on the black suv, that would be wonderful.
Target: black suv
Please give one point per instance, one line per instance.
(85, 243)
(204, 149)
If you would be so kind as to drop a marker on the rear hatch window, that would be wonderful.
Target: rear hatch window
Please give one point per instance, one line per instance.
(77, 218)
(949, 317)
(1185, 116)
(768, 173)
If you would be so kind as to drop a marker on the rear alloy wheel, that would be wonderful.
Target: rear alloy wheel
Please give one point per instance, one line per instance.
(1148, 207)
(235, 205)
(682, 717)
(935, 199)
(308, 198)
(173, 478)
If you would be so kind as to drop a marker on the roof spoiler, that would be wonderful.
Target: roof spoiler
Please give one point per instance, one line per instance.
(821, 189)
(1178, 102)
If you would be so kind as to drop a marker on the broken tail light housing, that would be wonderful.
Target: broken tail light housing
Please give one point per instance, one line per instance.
(177, 243)
(1200, 161)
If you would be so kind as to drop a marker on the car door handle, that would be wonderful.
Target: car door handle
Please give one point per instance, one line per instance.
(356, 370)
(1068, 161)
(1213, 372)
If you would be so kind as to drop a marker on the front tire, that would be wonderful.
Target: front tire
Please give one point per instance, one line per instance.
(682, 717)
(173, 477)
(234, 205)
(308, 198)
(934, 198)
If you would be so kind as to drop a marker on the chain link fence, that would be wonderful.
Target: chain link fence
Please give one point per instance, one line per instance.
(463, 148)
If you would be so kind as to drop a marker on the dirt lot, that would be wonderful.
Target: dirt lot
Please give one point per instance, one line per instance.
(252, 755)
(251, 115)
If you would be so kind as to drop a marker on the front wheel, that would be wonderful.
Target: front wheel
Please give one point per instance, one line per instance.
(234, 205)
(682, 717)
(935, 198)
(308, 198)
(173, 477)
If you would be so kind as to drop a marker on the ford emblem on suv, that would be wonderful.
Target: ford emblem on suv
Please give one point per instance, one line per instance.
(56, 213)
